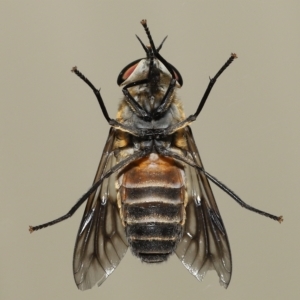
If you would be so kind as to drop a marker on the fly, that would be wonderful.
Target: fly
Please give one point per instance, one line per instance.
(151, 192)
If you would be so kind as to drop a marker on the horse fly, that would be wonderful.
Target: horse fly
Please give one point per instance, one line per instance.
(151, 192)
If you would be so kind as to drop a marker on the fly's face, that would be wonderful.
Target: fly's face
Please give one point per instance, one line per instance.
(147, 80)
(151, 192)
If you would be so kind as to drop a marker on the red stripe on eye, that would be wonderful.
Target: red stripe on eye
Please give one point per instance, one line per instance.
(176, 75)
(129, 71)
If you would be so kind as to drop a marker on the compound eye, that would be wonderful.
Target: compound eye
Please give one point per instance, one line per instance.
(127, 71)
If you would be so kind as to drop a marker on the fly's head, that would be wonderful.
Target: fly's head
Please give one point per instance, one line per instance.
(152, 73)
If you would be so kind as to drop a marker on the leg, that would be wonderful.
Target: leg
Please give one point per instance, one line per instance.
(94, 187)
(110, 121)
(212, 82)
(156, 51)
(165, 102)
(136, 108)
(171, 129)
(180, 157)
(96, 92)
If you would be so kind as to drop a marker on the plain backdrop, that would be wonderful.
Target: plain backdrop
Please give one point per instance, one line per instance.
(53, 133)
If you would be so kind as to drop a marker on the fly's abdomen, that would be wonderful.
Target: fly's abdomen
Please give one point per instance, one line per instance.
(152, 199)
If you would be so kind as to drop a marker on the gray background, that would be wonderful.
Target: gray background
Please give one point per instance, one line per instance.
(53, 132)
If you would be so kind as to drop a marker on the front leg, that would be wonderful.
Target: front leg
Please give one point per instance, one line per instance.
(96, 92)
(134, 106)
(112, 122)
(173, 128)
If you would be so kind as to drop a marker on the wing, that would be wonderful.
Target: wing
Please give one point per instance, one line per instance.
(204, 243)
(101, 242)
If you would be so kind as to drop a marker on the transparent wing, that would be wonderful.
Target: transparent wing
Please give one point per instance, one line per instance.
(204, 245)
(101, 242)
